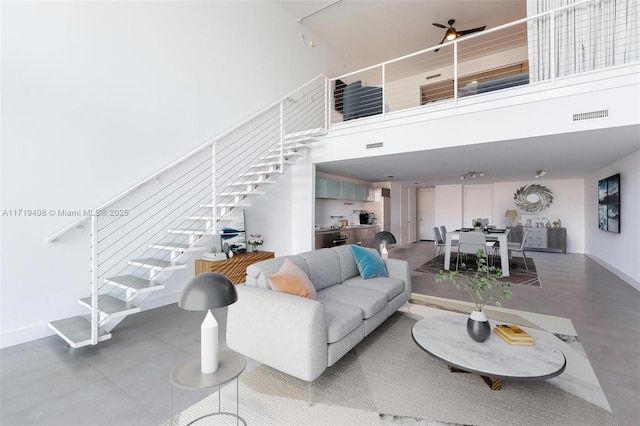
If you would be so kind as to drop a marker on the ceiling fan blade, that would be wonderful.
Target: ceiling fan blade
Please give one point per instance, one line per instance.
(438, 25)
(471, 31)
(445, 37)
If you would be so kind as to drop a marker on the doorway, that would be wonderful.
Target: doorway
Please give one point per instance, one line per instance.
(426, 213)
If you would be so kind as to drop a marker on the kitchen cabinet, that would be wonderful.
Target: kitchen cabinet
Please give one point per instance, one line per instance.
(348, 191)
(547, 239)
(334, 189)
(321, 188)
(361, 193)
(327, 188)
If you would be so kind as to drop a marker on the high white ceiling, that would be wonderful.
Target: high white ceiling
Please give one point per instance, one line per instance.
(366, 33)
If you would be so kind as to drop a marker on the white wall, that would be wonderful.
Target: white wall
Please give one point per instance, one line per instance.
(568, 206)
(97, 96)
(449, 206)
(620, 253)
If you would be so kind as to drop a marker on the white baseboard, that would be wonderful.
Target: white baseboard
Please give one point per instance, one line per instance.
(24, 335)
(38, 331)
(626, 278)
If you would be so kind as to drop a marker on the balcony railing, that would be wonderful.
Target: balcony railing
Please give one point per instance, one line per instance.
(545, 46)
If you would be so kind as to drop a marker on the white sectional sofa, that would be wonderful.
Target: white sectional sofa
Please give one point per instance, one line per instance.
(301, 336)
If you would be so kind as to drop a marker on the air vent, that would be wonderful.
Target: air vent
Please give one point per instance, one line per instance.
(374, 145)
(429, 77)
(591, 115)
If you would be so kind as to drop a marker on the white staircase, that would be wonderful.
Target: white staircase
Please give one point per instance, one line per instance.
(122, 293)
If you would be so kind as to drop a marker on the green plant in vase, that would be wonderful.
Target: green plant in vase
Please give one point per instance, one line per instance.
(483, 286)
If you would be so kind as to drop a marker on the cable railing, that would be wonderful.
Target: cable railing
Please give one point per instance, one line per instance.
(547, 45)
(139, 238)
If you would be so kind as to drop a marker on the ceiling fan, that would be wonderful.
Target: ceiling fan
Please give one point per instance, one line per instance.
(452, 34)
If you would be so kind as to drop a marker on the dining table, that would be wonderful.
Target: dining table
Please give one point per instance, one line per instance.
(500, 236)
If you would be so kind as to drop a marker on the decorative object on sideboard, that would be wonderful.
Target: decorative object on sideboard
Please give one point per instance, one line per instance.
(533, 198)
(609, 204)
(255, 241)
(205, 292)
(383, 238)
(484, 279)
(511, 215)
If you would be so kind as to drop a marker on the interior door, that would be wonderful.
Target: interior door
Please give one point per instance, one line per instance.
(426, 213)
(478, 203)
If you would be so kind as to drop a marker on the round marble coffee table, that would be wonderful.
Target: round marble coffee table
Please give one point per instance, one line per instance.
(445, 337)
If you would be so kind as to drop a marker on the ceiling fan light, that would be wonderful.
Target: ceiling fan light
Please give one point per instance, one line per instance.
(452, 36)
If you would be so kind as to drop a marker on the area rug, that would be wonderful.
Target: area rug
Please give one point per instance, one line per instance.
(517, 272)
(387, 380)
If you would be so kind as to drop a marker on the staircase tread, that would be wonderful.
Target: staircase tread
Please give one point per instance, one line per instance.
(111, 305)
(190, 231)
(77, 331)
(156, 262)
(252, 182)
(133, 282)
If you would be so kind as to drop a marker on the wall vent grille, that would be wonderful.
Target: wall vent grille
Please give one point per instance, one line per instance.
(591, 115)
(374, 145)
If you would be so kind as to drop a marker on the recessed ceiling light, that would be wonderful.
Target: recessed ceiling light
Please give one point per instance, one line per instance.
(391, 177)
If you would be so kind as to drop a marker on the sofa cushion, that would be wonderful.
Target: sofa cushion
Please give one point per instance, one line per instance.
(341, 319)
(324, 267)
(290, 284)
(289, 268)
(390, 286)
(348, 268)
(369, 262)
(368, 300)
(257, 273)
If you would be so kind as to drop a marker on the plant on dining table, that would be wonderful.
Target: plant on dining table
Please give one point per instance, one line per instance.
(482, 283)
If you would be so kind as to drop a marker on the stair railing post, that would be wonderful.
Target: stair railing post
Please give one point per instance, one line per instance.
(327, 110)
(94, 279)
(455, 72)
(213, 188)
(552, 47)
(281, 136)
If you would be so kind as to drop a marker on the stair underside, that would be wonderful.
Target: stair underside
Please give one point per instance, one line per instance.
(111, 306)
(185, 248)
(76, 331)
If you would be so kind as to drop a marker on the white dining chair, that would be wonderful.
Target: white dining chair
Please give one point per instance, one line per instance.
(439, 241)
(520, 247)
(470, 243)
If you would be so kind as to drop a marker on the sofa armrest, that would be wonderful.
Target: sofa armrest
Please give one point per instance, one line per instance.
(397, 268)
(285, 332)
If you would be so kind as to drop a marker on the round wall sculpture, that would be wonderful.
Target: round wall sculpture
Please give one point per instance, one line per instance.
(533, 198)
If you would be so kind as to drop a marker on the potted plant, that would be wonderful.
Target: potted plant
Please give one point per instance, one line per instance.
(477, 225)
(484, 286)
(255, 240)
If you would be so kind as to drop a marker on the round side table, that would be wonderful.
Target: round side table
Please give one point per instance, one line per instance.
(188, 375)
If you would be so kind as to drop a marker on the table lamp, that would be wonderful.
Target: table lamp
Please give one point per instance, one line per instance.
(204, 292)
(383, 238)
(511, 214)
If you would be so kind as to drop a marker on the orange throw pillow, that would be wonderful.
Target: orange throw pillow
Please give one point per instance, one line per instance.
(288, 284)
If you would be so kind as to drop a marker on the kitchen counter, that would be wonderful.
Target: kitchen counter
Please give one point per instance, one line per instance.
(361, 235)
(345, 228)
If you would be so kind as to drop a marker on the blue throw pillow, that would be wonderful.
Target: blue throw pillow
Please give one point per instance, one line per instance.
(369, 262)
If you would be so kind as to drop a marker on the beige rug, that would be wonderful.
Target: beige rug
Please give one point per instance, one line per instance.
(388, 380)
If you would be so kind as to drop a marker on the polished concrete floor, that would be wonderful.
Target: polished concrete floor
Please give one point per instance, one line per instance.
(125, 381)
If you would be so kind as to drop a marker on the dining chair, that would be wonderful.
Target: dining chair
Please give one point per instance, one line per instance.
(520, 247)
(470, 243)
(439, 241)
(443, 234)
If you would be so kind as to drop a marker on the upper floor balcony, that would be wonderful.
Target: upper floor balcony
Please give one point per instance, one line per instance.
(549, 49)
